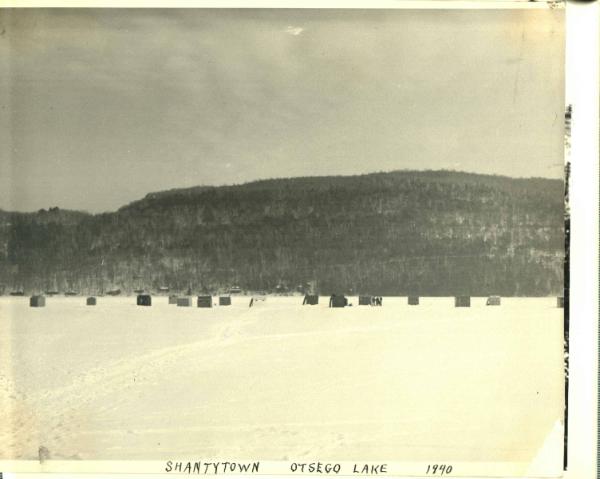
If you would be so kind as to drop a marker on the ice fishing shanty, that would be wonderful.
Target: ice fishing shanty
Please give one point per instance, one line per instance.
(338, 301)
(205, 301)
(364, 300)
(413, 300)
(224, 300)
(91, 301)
(370, 301)
(462, 301)
(37, 301)
(310, 299)
(184, 302)
(493, 301)
(173, 299)
(144, 300)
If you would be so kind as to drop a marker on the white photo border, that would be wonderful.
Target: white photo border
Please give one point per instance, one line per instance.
(582, 81)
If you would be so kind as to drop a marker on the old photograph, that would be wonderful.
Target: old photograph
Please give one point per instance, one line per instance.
(322, 238)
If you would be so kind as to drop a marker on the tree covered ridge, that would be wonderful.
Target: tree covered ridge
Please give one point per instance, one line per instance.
(426, 233)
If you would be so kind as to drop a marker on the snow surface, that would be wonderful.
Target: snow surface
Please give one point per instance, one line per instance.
(280, 381)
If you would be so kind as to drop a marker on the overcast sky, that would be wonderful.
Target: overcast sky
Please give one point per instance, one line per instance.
(100, 107)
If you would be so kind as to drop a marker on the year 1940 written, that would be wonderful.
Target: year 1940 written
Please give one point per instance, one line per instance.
(438, 469)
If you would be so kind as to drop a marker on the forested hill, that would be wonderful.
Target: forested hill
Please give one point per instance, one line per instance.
(427, 233)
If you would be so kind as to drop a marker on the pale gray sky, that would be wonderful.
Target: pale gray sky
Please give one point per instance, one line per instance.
(100, 107)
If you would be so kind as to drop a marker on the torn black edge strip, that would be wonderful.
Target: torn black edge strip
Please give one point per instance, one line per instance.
(566, 279)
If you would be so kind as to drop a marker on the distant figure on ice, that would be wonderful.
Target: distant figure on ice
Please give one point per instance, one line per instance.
(43, 454)
(251, 302)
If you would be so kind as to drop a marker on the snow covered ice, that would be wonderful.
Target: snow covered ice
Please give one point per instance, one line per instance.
(280, 381)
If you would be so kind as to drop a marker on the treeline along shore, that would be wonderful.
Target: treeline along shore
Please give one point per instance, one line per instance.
(430, 233)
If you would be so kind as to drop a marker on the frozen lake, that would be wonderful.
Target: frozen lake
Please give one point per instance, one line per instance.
(280, 381)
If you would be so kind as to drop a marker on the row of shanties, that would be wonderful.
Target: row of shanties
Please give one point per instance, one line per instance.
(335, 301)
(203, 301)
(39, 301)
(340, 301)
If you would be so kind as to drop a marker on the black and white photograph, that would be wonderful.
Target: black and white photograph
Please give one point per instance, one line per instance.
(331, 239)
